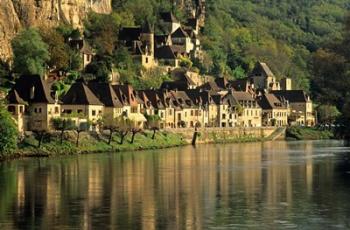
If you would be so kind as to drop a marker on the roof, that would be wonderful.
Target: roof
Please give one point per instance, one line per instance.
(105, 93)
(179, 33)
(14, 98)
(126, 94)
(168, 17)
(164, 52)
(240, 84)
(180, 74)
(192, 22)
(175, 85)
(80, 94)
(129, 34)
(33, 89)
(293, 96)
(270, 101)
(242, 96)
(262, 68)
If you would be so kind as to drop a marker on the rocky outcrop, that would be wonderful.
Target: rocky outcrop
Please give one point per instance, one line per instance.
(16, 14)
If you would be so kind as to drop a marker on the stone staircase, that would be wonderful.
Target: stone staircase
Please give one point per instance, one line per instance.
(278, 134)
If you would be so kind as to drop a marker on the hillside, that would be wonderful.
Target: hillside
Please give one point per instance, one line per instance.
(283, 33)
(18, 14)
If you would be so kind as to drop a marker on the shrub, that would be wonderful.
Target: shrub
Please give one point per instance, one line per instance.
(8, 133)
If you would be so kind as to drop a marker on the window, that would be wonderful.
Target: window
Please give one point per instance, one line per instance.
(161, 114)
(35, 110)
(39, 110)
(191, 112)
(93, 113)
(56, 110)
(146, 60)
(170, 112)
(80, 111)
(21, 109)
(11, 109)
(133, 109)
(100, 112)
(223, 116)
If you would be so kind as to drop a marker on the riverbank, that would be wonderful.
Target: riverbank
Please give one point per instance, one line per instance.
(93, 143)
(306, 133)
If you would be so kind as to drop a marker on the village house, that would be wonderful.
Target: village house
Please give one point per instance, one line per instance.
(81, 102)
(32, 104)
(85, 50)
(301, 107)
(113, 105)
(140, 43)
(274, 111)
(249, 110)
(132, 105)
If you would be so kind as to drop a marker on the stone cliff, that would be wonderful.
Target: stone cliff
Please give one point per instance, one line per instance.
(17, 14)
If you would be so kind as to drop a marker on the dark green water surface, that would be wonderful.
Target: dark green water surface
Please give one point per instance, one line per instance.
(273, 185)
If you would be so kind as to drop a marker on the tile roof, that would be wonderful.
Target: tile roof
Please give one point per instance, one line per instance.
(80, 94)
(33, 89)
(168, 17)
(164, 52)
(270, 101)
(105, 93)
(293, 96)
(14, 98)
(179, 33)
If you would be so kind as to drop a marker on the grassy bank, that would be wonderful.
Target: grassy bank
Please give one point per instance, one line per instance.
(97, 144)
(306, 133)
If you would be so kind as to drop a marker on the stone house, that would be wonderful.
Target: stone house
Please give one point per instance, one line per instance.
(32, 104)
(132, 105)
(274, 111)
(140, 43)
(250, 113)
(301, 110)
(85, 50)
(81, 102)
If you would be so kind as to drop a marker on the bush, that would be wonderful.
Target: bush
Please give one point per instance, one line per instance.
(9, 133)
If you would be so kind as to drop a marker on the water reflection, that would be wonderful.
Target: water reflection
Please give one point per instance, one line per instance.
(258, 185)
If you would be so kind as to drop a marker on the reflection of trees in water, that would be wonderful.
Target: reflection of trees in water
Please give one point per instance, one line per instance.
(218, 185)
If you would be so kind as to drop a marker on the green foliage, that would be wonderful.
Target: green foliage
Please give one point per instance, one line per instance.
(185, 62)
(282, 33)
(327, 114)
(30, 52)
(9, 133)
(58, 49)
(63, 124)
(304, 133)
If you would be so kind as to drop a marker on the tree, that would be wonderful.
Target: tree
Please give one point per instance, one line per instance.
(134, 129)
(153, 123)
(58, 49)
(82, 127)
(9, 133)
(123, 128)
(111, 124)
(63, 124)
(30, 53)
(327, 114)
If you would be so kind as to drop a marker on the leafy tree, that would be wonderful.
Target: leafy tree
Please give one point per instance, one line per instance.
(58, 49)
(153, 123)
(9, 133)
(30, 52)
(327, 114)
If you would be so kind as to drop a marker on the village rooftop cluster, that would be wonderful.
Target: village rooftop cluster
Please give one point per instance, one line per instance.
(186, 102)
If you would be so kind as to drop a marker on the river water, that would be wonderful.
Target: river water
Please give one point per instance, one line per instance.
(273, 185)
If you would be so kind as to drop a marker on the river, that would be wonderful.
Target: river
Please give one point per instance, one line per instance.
(272, 185)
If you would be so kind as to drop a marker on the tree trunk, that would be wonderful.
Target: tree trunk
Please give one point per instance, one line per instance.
(41, 136)
(110, 137)
(132, 137)
(122, 136)
(78, 135)
(154, 134)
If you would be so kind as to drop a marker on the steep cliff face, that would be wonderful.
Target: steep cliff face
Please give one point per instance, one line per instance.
(16, 14)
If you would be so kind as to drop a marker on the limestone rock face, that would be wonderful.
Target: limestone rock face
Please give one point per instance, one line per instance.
(17, 14)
